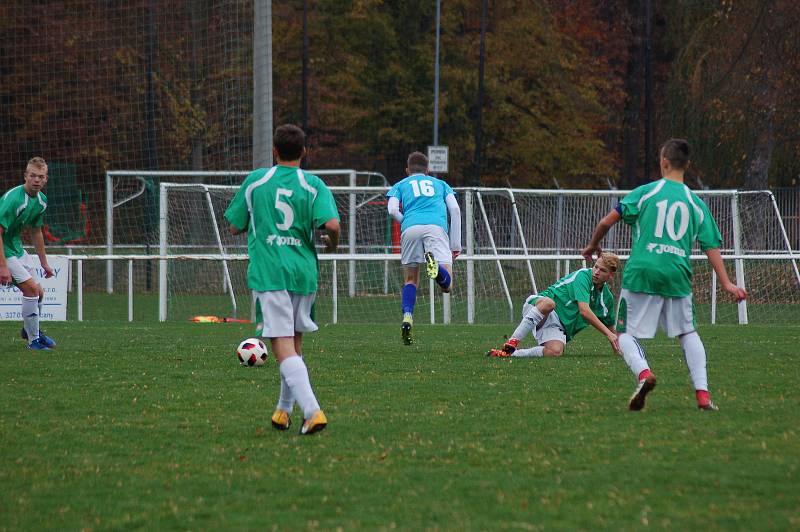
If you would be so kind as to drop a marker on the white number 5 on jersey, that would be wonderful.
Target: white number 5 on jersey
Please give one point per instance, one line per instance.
(423, 187)
(285, 208)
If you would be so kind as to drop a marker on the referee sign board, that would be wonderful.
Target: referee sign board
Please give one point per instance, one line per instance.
(437, 159)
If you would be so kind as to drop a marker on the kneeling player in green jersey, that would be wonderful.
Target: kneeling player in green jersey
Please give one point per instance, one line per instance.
(564, 309)
(666, 219)
(23, 206)
(280, 208)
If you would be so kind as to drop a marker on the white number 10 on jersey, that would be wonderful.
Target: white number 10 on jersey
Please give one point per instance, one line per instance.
(423, 187)
(666, 218)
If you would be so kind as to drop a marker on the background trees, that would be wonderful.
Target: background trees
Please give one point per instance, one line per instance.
(565, 88)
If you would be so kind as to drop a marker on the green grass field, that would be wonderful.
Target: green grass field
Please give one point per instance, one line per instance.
(148, 426)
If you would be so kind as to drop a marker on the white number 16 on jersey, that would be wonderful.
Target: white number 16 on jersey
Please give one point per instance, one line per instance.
(423, 187)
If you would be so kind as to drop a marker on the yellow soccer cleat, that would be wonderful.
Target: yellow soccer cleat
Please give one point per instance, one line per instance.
(315, 423)
(281, 420)
(431, 267)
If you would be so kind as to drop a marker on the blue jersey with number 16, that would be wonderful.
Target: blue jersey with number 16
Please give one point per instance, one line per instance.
(423, 199)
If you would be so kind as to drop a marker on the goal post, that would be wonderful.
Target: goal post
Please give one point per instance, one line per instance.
(512, 248)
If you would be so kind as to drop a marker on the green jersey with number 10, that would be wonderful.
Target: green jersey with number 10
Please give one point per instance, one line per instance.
(280, 207)
(665, 218)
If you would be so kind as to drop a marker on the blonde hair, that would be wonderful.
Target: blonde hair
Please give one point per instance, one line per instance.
(38, 162)
(611, 261)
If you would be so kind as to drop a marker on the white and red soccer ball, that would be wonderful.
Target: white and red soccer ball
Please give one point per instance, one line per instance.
(252, 352)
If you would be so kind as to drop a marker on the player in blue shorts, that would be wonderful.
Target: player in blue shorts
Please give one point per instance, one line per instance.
(420, 203)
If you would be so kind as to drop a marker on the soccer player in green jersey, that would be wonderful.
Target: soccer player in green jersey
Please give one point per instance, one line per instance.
(279, 208)
(665, 218)
(21, 207)
(565, 308)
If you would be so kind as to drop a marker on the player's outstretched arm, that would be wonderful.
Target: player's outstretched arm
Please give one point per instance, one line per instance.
(593, 248)
(331, 236)
(394, 209)
(715, 258)
(38, 245)
(594, 321)
(455, 224)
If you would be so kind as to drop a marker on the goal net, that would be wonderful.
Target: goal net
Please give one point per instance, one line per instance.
(517, 242)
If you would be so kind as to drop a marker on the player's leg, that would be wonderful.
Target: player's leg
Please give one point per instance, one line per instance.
(314, 419)
(22, 274)
(22, 277)
(534, 311)
(280, 324)
(412, 254)
(678, 320)
(438, 257)
(550, 335)
(539, 319)
(637, 317)
(553, 348)
(408, 301)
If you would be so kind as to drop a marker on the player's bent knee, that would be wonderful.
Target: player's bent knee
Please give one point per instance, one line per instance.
(545, 305)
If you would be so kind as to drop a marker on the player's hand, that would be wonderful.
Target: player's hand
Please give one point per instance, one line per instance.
(48, 271)
(588, 251)
(739, 293)
(455, 255)
(326, 241)
(5, 276)
(614, 341)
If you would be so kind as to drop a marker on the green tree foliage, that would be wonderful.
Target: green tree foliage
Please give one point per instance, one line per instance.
(735, 89)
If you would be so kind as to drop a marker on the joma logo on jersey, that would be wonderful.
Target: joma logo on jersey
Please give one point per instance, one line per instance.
(278, 240)
(665, 248)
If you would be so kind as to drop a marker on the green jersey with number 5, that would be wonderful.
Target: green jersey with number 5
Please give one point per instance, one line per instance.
(665, 218)
(281, 207)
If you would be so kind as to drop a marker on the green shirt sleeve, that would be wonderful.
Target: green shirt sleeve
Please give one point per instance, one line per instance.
(237, 213)
(630, 205)
(324, 205)
(6, 212)
(708, 236)
(580, 290)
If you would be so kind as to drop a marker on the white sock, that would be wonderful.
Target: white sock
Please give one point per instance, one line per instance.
(30, 317)
(528, 324)
(294, 370)
(286, 400)
(633, 354)
(694, 353)
(537, 351)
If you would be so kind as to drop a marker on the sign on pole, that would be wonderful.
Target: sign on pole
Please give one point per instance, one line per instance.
(54, 304)
(437, 159)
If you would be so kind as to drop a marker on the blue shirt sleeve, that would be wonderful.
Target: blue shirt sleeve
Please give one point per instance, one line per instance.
(448, 189)
(394, 192)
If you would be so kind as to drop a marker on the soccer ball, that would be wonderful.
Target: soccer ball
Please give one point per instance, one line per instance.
(252, 352)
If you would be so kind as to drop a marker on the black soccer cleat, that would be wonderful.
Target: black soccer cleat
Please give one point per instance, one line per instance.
(644, 387)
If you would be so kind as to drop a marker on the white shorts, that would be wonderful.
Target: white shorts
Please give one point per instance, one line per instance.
(21, 268)
(418, 239)
(549, 329)
(640, 315)
(285, 313)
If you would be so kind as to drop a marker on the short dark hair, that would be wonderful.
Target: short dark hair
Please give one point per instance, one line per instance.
(417, 163)
(289, 140)
(676, 151)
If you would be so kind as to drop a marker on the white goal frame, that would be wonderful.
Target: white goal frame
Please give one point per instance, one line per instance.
(475, 210)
